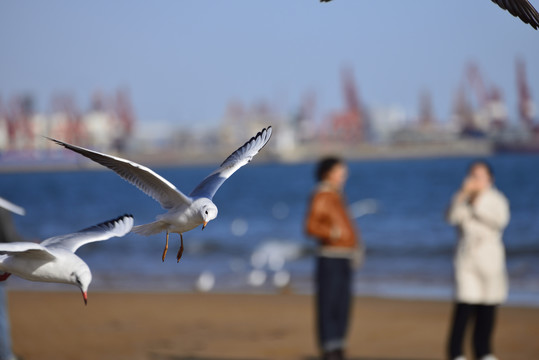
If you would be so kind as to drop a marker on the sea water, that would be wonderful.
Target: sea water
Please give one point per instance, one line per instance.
(260, 227)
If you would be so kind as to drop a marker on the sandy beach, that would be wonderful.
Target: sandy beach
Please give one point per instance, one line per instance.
(57, 325)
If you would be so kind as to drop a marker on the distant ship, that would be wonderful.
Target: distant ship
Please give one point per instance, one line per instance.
(531, 147)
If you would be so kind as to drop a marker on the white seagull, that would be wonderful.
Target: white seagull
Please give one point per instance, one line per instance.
(53, 260)
(184, 212)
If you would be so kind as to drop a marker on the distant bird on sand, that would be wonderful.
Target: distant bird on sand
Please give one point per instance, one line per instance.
(519, 8)
(53, 260)
(184, 212)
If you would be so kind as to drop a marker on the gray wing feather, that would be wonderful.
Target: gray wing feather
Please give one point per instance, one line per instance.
(26, 249)
(209, 186)
(142, 177)
(521, 9)
(115, 227)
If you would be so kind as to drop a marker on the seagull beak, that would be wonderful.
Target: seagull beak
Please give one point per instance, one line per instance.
(85, 296)
(205, 223)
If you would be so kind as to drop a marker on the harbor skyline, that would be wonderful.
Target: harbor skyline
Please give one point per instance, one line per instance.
(397, 51)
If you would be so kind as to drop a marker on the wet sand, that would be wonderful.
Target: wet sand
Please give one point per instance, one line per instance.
(57, 325)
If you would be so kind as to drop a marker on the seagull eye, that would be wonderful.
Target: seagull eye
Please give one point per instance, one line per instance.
(206, 212)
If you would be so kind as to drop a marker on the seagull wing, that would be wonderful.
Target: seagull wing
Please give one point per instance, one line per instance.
(521, 9)
(209, 186)
(115, 227)
(11, 207)
(142, 177)
(26, 249)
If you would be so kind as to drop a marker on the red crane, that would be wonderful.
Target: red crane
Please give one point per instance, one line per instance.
(476, 82)
(348, 125)
(525, 103)
(489, 100)
(126, 117)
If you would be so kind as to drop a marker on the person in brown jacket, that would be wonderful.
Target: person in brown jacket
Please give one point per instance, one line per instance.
(329, 222)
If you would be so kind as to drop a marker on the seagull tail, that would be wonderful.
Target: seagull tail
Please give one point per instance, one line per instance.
(151, 228)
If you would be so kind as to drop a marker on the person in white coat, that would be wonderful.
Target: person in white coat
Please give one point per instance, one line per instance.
(480, 212)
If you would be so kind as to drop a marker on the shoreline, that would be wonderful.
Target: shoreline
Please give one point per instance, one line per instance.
(406, 292)
(171, 326)
(64, 160)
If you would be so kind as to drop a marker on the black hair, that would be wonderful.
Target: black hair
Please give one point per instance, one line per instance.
(325, 165)
(485, 164)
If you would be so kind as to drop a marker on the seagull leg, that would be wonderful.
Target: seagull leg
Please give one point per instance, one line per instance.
(4, 276)
(165, 251)
(180, 252)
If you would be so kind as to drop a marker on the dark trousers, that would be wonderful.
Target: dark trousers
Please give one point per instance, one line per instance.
(333, 299)
(484, 318)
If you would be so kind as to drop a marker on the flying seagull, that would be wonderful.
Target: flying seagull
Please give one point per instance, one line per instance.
(184, 212)
(519, 8)
(54, 259)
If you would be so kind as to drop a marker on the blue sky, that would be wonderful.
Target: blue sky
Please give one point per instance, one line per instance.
(184, 61)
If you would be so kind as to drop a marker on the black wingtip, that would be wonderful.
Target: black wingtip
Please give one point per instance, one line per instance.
(258, 134)
(524, 11)
(123, 216)
(261, 133)
(119, 218)
(110, 222)
(61, 143)
(268, 129)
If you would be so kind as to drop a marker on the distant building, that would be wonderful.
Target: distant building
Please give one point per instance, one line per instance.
(385, 121)
(103, 127)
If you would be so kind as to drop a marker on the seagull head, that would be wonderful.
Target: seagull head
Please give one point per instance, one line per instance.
(82, 277)
(208, 211)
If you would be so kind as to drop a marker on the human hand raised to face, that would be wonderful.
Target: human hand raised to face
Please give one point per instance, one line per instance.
(478, 179)
(469, 189)
(470, 185)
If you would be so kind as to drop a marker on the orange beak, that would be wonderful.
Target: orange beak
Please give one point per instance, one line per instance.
(205, 223)
(85, 297)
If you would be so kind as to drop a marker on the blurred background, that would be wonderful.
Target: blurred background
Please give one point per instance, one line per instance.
(408, 92)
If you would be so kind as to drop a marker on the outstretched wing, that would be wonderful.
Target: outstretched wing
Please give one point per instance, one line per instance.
(521, 9)
(11, 207)
(209, 186)
(26, 249)
(142, 177)
(115, 227)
